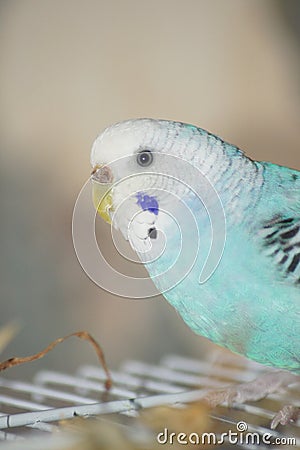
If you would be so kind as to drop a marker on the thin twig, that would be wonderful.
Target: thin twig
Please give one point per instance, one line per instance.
(15, 361)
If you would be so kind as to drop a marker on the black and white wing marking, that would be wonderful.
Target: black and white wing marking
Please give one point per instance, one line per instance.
(281, 238)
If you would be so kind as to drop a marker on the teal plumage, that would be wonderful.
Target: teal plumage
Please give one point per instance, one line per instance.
(251, 303)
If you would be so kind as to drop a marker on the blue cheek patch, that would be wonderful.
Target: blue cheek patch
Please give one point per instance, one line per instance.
(147, 202)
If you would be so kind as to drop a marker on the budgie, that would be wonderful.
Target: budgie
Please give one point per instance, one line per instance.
(250, 304)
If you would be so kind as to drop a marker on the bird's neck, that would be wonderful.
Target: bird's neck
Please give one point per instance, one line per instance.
(236, 178)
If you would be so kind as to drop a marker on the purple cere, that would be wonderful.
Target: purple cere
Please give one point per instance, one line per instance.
(147, 202)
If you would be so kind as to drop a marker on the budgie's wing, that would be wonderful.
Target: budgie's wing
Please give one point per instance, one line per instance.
(281, 240)
(280, 232)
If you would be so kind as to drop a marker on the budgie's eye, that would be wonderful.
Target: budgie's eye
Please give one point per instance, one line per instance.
(144, 158)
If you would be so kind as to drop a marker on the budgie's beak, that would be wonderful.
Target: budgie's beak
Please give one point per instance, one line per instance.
(102, 180)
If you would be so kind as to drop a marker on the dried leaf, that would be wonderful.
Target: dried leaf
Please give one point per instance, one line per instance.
(191, 417)
(7, 333)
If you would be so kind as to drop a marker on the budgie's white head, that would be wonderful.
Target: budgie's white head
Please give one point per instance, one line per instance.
(128, 159)
(144, 168)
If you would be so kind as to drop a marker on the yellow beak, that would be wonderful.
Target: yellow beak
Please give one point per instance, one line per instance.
(102, 196)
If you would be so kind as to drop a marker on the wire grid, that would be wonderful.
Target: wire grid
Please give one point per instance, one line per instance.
(29, 412)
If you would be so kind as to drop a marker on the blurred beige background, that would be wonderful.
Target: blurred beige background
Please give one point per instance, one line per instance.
(68, 69)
